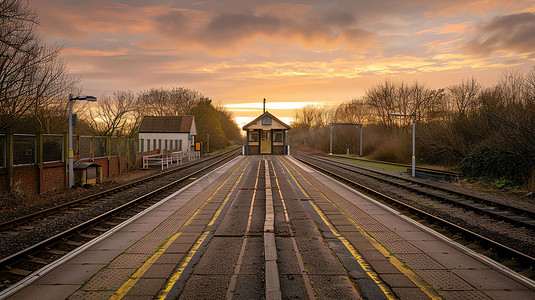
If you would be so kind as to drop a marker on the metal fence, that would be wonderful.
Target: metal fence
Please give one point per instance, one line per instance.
(53, 148)
(85, 145)
(2, 151)
(114, 146)
(24, 149)
(100, 145)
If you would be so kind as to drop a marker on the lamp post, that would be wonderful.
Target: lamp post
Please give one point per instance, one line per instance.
(413, 139)
(71, 154)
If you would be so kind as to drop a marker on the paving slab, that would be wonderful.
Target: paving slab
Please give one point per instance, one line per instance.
(71, 274)
(46, 292)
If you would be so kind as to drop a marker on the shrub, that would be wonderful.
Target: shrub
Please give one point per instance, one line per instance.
(496, 163)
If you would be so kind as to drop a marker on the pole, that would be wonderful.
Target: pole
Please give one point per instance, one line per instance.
(360, 140)
(207, 142)
(413, 147)
(70, 154)
(331, 141)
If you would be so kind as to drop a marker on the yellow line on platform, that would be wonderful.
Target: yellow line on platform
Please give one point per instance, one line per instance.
(362, 262)
(176, 275)
(425, 287)
(134, 278)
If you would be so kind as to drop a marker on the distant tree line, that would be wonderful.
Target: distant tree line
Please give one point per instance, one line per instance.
(35, 88)
(487, 132)
(121, 114)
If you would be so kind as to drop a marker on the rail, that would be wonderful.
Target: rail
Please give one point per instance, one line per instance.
(504, 250)
(169, 159)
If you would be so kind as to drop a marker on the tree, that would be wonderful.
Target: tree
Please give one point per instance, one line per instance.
(31, 75)
(117, 115)
(464, 96)
(175, 102)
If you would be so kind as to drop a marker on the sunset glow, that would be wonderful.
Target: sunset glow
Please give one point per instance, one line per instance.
(291, 52)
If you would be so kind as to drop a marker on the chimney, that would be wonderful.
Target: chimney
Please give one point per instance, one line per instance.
(264, 105)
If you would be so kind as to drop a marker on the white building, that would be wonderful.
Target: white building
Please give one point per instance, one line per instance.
(167, 134)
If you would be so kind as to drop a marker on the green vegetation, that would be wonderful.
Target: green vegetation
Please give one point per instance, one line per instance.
(376, 165)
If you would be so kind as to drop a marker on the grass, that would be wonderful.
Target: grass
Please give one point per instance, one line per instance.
(374, 164)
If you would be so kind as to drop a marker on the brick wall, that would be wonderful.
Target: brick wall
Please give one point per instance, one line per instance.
(52, 177)
(26, 179)
(3, 178)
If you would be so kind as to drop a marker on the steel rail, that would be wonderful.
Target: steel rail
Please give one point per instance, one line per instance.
(521, 217)
(497, 247)
(421, 169)
(7, 262)
(52, 210)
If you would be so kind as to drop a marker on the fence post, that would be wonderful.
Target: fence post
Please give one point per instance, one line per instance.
(39, 141)
(119, 163)
(66, 158)
(9, 163)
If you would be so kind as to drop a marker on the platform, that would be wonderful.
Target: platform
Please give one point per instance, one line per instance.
(268, 227)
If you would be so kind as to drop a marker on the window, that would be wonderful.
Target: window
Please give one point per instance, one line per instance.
(266, 120)
(253, 136)
(278, 136)
(179, 145)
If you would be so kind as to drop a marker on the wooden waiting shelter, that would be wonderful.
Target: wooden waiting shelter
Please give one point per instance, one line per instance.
(266, 135)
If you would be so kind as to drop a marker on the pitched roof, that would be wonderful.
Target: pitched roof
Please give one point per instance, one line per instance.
(253, 122)
(173, 124)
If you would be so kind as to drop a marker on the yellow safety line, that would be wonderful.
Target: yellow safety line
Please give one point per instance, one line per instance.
(174, 278)
(228, 195)
(393, 259)
(134, 278)
(362, 262)
(139, 272)
(176, 275)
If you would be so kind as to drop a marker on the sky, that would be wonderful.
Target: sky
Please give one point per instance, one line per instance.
(292, 53)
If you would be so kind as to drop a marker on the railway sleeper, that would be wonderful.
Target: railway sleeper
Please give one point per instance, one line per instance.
(19, 272)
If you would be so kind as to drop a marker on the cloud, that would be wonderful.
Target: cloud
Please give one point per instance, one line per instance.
(232, 33)
(515, 32)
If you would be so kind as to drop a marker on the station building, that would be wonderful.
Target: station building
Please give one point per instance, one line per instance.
(266, 135)
(167, 133)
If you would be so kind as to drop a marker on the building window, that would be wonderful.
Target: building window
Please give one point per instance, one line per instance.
(277, 137)
(179, 145)
(266, 120)
(253, 136)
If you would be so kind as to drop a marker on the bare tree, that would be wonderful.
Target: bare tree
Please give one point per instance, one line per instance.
(175, 102)
(30, 72)
(464, 95)
(117, 115)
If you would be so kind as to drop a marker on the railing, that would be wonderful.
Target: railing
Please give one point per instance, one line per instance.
(169, 159)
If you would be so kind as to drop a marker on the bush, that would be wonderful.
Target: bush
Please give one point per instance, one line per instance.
(494, 163)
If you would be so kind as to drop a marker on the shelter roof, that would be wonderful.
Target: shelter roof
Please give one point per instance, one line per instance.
(171, 124)
(254, 122)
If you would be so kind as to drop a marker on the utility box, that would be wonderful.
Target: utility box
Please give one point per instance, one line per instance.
(86, 173)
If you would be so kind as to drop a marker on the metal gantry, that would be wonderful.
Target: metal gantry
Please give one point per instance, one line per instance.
(343, 124)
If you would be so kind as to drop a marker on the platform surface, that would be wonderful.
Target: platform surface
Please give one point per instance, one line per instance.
(268, 227)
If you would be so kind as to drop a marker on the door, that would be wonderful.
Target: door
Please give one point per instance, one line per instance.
(265, 143)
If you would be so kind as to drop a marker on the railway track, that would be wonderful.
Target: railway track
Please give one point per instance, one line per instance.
(506, 252)
(23, 263)
(12, 225)
(422, 171)
(514, 215)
